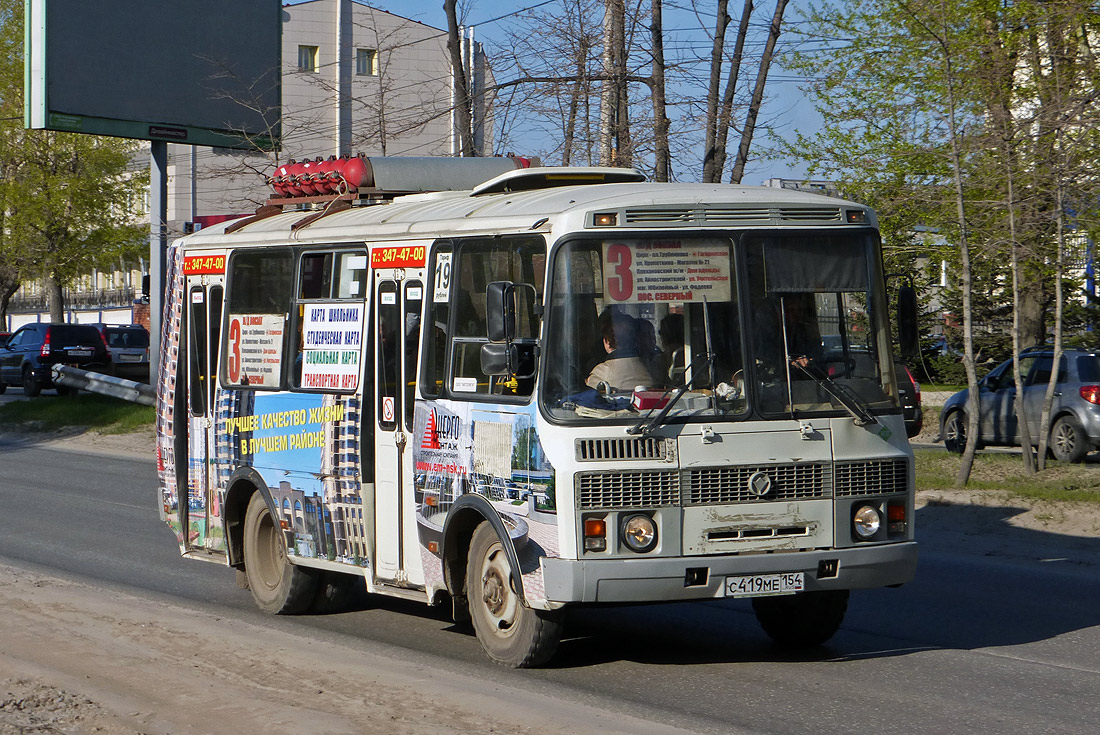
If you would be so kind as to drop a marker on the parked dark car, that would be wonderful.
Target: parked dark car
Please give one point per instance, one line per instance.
(1075, 412)
(128, 348)
(31, 352)
(909, 390)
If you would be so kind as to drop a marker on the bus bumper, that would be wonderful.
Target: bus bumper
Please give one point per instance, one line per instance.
(703, 577)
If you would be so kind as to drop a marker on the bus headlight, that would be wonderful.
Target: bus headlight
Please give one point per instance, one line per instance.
(639, 533)
(866, 522)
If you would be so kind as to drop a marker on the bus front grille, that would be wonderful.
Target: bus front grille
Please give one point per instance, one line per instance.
(650, 489)
(877, 477)
(754, 484)
(589, 450)
(741, 484)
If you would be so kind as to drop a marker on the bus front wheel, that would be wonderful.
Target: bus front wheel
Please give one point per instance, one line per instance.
(277, 586)
(511, 633)
(804, 620)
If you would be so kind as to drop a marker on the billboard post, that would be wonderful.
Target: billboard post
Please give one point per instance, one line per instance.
(158, 247)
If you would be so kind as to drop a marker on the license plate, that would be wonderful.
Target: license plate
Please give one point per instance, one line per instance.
(759, 585)
(80, 353)
(129, 358)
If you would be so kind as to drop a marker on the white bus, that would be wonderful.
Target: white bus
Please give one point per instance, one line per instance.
(546, 388)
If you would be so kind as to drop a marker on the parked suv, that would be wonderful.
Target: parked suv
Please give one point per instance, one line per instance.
(33, 350)
(128, 348)
(1075, 412)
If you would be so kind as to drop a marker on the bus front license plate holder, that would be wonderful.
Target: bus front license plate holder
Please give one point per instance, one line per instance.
(760, 585)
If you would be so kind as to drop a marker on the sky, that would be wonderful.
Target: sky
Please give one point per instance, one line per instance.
(786, 109)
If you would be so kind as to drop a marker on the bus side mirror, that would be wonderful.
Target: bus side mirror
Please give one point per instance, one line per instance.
(907, 322)
(500, 311)
(498, 358)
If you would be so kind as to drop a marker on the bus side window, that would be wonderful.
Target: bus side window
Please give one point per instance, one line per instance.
(199, 367)
(437, 335)
(214, 316)
(330, 286)
(478, 262)
(258, 300)
(389, 322)
(414, 301)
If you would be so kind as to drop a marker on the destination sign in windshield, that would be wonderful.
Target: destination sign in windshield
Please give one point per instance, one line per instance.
(666, 271)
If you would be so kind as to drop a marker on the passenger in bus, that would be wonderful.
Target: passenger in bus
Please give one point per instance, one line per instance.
(622, 370)
(648, 351)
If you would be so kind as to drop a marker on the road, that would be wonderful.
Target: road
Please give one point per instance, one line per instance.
(996, 634)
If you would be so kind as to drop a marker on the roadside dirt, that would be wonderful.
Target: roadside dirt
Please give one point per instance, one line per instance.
(77, 659)
(80, 659)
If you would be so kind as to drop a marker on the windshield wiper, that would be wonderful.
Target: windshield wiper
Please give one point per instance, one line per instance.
(855, 405)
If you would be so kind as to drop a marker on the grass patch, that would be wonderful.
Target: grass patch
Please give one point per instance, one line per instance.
(104, 414)
(936, 470)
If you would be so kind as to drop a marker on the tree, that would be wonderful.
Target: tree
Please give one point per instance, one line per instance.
(757, 100)
(463, 102)
(68, 201)
(975, 119)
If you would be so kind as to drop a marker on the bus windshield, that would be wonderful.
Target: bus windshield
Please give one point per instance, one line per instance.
(768, 324)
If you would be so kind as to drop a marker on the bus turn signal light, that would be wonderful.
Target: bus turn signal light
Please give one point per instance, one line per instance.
(595, 534)
(895, 518)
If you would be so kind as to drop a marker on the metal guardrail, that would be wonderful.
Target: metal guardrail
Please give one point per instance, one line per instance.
(108, 385)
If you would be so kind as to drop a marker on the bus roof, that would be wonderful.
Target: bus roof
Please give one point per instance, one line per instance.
(559, 208)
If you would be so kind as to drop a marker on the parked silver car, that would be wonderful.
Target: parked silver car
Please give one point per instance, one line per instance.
(1075, 413)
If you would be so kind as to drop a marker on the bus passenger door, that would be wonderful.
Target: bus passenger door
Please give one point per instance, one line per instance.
(398, 302)
(199, 512)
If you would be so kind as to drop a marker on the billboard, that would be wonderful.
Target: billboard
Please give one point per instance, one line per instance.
(201, 72)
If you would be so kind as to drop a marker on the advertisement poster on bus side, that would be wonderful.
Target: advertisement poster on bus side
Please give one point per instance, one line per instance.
(493, 451)
(332, 342)
(666, 271)
(305, 448)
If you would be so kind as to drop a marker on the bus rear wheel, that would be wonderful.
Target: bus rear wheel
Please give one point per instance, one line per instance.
(511, 633)
(804, 620)
(277, 586)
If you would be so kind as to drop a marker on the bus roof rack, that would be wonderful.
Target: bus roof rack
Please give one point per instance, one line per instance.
(380, 178)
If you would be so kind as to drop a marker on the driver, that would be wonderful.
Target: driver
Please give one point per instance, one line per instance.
(623, 369)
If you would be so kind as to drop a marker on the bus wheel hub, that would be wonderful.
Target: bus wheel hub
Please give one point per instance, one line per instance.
(494, 594)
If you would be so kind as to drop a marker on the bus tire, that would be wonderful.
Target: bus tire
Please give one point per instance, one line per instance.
(511, 633)
(804, 620)
(277, 586)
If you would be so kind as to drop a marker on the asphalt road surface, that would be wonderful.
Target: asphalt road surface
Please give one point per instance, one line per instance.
(995, 635)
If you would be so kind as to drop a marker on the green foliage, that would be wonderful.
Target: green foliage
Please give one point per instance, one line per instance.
(945, 369)
(1010, 88)
(88, 410)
